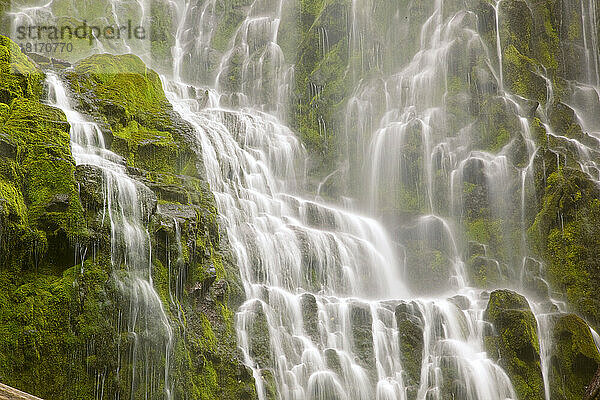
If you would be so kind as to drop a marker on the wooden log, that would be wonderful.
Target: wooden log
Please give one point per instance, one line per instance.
(593, 390)
(10, 393)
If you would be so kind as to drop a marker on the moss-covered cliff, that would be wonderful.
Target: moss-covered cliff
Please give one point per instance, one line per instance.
(61, 307)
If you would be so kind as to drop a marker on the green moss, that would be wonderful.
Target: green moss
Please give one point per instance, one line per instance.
(41, 178)
(521, 77)
(322, 82)
(161, 33)
(574, 30)
(63, 324)
(12, 203)
(565, 232)
(515, 342)
(411, 341)
(231, 16)
(432, 268)
(19, 77)
(575, 358)
(124, 89)
(54, 330)
(145, 148)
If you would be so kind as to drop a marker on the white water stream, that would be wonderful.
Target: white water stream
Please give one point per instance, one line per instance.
(125, 212)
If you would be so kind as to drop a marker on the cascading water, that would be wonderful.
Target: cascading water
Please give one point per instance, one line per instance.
(125, 212)
(330, 295)
(313, 273)
(417, 137)
(313, 276)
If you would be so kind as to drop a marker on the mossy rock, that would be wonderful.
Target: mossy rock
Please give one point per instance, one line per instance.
(514, 343)
(123, 89)
(362, 336)
(48, 323)
(310, 316)
(410, 337)
(259, 336)
(574, 358)
(19, 77)
(58, 322)
(566, 232)
(45, 170)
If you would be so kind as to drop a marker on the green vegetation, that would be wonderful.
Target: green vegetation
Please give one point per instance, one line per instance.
(514, 342)
(574, 359)
(566, 233)
(61, 307)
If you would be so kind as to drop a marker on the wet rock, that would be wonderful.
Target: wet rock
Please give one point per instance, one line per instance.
(310, 316)
(258, 336)
(532, 266)
(537, 287)
(362, 336)
(48, 62)
(269, 382)
(462, 302)
(475, 249)
(332, 359)
(515, 342)
(169, 212)
(220, 289)
(564, 121)
(574, 357)
(58, 203)
(431, 267)
(485, 271)
(171, 193)
(8, 147)
(209, 279)
(410, 337)
(90, 181)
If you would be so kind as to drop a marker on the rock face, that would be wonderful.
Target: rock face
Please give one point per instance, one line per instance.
(362, 336)
(410, 327)
(574, 358)
(60, 304)
(514, 342)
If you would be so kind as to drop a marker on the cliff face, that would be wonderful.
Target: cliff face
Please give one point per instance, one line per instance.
(63, 314)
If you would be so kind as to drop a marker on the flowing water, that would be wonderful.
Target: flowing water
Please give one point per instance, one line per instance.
(333, 292)
(125, 211)
(323, 284)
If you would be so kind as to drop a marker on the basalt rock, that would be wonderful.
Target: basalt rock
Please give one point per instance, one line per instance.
(574, 359)
(514, 342)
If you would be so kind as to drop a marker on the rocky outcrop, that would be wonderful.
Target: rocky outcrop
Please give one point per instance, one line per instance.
(514, 342)
(410, 328)
(574, 358)
(60, 305)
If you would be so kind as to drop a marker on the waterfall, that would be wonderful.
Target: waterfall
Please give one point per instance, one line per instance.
(323, 285)
(341, 301)
(126, 212)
